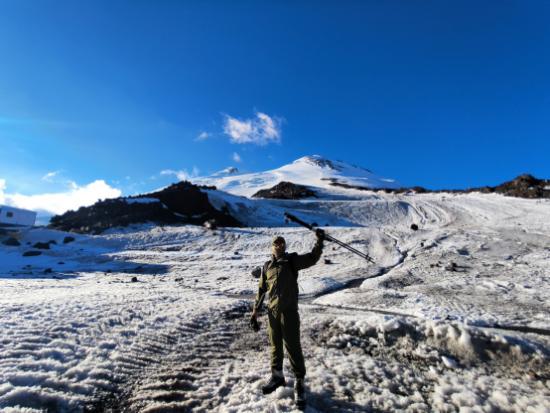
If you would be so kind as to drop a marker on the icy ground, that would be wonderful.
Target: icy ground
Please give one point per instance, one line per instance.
(453, 317)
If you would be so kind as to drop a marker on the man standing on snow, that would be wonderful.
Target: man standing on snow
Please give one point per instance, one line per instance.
(279, 277)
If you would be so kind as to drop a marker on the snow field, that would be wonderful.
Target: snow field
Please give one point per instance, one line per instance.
(416, 333)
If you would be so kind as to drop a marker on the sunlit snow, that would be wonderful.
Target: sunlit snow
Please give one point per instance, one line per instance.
(453, 316)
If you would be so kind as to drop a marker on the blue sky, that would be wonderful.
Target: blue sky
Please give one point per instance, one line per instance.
(443, 94)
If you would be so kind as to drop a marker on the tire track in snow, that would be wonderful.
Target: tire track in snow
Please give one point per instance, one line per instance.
(189, 372)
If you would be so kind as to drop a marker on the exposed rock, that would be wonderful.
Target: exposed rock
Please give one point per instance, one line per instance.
(414, 227)
(451, 267)
(181, 203)
(210, 224)
(48, 271)
(285, 190)
(11, 242)
(32, 253)
(418, 190)
(134, 279)
(42, 245)
(231, 170)
(327, 261)
(524, 186)
(323, 163)
(68, 239)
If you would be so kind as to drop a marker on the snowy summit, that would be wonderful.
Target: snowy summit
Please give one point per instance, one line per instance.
(313, 170)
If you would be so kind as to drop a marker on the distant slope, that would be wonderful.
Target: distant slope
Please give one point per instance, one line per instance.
(309, 171)
(330, 193)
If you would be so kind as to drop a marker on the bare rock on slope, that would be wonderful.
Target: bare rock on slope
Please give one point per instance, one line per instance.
(181, 203)
(285, 190)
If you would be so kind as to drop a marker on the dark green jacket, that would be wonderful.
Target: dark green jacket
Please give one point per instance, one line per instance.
(279, 278)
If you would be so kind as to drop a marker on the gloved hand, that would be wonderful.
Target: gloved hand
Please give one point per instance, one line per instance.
(320, 234)
(254, 325)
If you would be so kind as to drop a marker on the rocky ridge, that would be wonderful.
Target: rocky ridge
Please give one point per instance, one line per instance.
(286, 190)
(180, 203)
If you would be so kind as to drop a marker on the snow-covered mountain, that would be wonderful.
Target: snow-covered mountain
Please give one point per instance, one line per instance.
(312, 170)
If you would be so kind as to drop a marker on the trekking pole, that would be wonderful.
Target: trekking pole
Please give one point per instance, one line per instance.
(328, 237)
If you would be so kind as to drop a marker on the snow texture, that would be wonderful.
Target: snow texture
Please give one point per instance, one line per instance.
(451, 317)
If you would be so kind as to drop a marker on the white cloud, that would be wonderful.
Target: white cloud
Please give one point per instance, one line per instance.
(237, 157)
(202, 136)
(60, 202)
(261, 130)
(50, 175)
(182, 175)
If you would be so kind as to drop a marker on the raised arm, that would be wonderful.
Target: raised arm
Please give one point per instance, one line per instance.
(303, 261)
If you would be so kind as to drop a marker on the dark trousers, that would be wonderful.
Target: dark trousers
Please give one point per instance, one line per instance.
(284, 328)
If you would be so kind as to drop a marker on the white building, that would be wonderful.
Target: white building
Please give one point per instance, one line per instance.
(10, 216)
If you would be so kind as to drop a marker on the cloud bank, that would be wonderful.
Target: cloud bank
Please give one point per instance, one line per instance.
(60, 202)
(260, 130)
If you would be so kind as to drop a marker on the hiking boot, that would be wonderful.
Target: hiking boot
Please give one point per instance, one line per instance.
(299, 394)
(277, 380)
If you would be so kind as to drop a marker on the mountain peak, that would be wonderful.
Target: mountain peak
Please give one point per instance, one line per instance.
(230, 170)
(322, 162)
(317, 160)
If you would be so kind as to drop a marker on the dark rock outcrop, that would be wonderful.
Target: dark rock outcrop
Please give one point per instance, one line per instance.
(181, 203)
(32, 253)
(285, 190)
(524, 186)
(41, 245)
(210, 224)
(11, 242)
